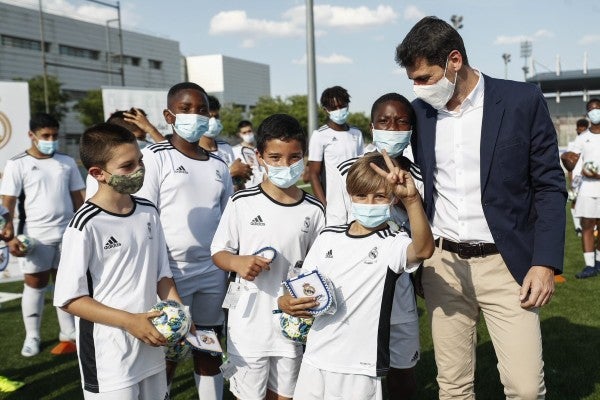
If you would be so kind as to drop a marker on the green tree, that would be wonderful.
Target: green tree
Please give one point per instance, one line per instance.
(230, 116)
(362, 122)
(56, 98)
(90, 108)
(267, 106)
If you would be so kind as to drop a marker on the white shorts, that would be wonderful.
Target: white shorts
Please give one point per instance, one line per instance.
(206, 301)
(43, 257)
(317, 384)
(152, 388)
(404, 345)
(254, 375)
(587, 207)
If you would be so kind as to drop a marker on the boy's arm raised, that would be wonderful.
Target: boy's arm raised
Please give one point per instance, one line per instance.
(138, 325)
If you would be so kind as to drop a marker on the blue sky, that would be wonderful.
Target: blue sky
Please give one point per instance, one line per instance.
(355, 40)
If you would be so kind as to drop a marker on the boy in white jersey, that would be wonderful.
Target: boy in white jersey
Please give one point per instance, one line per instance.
(267, 363)
(190, 187)
(334, 142)
(245, 132)
(362, 260)
(239, 171)
(48, 186)
(113, 266)
(392, 118)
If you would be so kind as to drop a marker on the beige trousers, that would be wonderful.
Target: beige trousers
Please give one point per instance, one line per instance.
(456, 292)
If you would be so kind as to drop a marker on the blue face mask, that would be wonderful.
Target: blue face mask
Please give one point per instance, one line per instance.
(190, 127)
(284, 177)
(339, 116)
(394, 142)
(594, 116)
(47, 147)
(214, 127)
(371, 215)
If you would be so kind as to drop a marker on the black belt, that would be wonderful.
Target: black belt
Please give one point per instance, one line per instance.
(468, 250)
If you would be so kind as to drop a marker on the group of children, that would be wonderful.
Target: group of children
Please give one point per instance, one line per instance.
(165, 221)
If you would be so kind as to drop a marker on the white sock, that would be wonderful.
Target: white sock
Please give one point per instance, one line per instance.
(588, 257)
(576, 220)
(598, 256)
(209, 387)
(66, 322)
(32, 306)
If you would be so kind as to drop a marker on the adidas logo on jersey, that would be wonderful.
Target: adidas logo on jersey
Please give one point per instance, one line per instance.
(180, 170)
(415, 357)
(111, 243)
(334, 139)
(34, 168)
(329, 254)
(257, 221)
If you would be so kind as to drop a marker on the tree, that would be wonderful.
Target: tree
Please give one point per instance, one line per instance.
(230, 116)
(56, 99)
(362, 122)
(90, 108)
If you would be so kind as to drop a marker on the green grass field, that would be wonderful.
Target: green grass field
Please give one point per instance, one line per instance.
(570, 325)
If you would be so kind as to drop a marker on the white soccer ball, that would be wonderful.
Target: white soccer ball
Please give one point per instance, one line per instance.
(27, 243)
(174, 322)
(591, 166)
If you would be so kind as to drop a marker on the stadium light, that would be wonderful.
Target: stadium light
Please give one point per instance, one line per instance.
(506, 58)
(456, 21)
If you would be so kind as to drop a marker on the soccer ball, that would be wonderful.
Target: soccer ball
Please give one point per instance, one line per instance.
(175, 321)
(27, 243)
(2, 222)
(295, 328)
(177, 351)
(591, 167)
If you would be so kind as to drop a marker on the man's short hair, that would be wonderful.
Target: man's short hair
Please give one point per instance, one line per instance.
(431, 39)
(175, 89)
(592, 101)
(98, 142)
(393, 97)
(118, 118)
(42, 120)
(213, 103)
(362, 179)
(244, 123)
(280, 126)
(583, 123)
(335, 92)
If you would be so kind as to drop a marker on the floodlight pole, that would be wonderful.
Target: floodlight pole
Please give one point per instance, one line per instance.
(506, 58)
(311, 69)
(44, 65)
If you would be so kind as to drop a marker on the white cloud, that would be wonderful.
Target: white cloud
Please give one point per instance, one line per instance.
(589, 39)
(412, 13)
(399, 71)
(292, 22)
(540, 34)
(333, 58)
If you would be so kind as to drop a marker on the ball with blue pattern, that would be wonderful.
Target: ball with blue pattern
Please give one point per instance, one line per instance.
(174, 322)
(295, 328)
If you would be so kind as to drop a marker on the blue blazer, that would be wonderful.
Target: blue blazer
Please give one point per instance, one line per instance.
(522, 183)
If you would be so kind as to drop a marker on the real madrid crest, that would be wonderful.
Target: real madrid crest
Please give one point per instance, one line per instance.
(372, 256)
(308, 289)
(306, 225)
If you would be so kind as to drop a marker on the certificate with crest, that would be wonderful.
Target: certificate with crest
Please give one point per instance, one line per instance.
(312, 284)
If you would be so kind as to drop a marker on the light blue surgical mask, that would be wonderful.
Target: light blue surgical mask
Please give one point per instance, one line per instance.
(371, 215)
(214, 127)
(339, 116)
(284, 177)
(190, 127)
(594, 116)
(394, 142)
(47, 147)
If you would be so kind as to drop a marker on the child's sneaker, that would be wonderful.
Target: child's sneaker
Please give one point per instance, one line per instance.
(31, 347)
(587, 272)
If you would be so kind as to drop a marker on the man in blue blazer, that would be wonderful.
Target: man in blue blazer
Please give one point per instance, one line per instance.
(495, 196)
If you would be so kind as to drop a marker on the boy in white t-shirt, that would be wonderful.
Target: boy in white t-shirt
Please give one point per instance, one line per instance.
(45, 186)
(113, 266)
(243, 151)
(347, 352)
(266, 362)
(191, 187)
(334, 142)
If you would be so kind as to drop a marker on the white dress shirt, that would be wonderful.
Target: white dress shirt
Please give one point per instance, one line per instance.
(458, 212)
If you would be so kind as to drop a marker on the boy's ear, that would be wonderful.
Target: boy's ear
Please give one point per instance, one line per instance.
(170, 118)
(97, 174)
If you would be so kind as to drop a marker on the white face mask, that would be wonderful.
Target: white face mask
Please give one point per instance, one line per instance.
(437, 94)
(393, 142)
(214, 127)
(594, 116)
(247, 137)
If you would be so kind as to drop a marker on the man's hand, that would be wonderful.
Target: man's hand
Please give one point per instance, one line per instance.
(296, 307)
(248, 267)
(140, 326)
(240, 170)
(16, 248)
(8, 232)
(538, 287)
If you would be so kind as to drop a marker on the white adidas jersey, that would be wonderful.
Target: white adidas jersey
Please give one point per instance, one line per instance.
(331, 147)
(117, 260)
(251, 222)
(225, 152)
(363, 271)
(405, 307)
(258, 172)
(191, 196)
(43, 186)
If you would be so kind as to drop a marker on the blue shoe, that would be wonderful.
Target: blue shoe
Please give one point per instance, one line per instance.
(587, 272)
